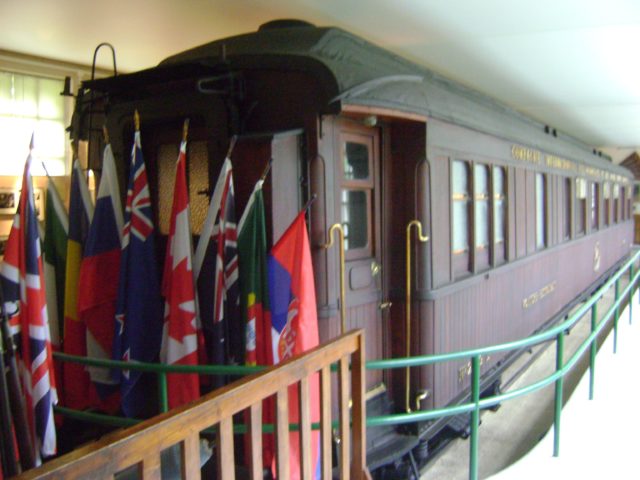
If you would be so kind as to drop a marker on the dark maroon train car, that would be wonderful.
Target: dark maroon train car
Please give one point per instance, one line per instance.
(522, 220)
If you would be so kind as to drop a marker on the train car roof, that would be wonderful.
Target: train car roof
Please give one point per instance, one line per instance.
(355, 72)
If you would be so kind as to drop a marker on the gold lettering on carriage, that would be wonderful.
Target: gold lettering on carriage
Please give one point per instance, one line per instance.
(465, 370)
(536, 157)
(535, 297)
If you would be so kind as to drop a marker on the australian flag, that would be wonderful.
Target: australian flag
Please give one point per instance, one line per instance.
(24, 294)
(216, 271)
(139, 319)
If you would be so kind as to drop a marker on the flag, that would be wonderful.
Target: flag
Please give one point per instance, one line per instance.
(180, 334)
(216, 272)
(294, 321)
(75, 377)
(99, 272)
(138, 326)
(24, 287)
(56, 228)
(254, 293)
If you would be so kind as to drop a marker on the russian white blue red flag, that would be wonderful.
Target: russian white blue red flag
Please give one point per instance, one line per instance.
(99, 271)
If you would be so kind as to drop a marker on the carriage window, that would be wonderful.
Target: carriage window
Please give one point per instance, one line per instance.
(354, 219)
(481, 191)
(356, 195)
(356, 161)
(606, 193)
(541, 216)
(595, 205)
(500, 212)
(581, 205)
(616, 203)
(460, 198)
(568, 197)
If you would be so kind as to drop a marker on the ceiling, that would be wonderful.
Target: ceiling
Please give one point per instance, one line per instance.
(572, 64)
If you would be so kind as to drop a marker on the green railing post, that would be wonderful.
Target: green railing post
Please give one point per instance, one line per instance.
(631, 294)
(558, 399)
(594, 350)
(163, 398)
(616, 318)
(475, 418)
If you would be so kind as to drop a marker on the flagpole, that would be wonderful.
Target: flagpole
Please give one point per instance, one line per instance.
(18, 409)
(266, 170)
(136, 120)
(232, 144)
(185, 129)
(307, 205)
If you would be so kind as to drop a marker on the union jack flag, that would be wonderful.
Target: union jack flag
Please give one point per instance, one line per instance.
(24, 288)
(216, 271)
(138, 326)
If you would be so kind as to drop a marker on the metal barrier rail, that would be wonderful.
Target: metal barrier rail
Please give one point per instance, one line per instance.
(476, 404)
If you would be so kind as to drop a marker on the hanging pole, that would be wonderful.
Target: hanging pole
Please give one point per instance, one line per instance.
(421, 238)
(336, 227)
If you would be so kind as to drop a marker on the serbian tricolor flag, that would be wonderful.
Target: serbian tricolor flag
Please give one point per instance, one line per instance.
(75, 377)
(294, 323)
(215, 268)
(138, 328)
(23, 285)
(180, 336)
(99, 272)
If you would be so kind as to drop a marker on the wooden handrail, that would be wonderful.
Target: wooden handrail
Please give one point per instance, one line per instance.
(141, 444)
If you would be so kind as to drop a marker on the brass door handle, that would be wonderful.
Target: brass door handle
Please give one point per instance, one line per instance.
(385, 305)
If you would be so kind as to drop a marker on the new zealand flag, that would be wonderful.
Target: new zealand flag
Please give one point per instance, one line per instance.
(139, 319)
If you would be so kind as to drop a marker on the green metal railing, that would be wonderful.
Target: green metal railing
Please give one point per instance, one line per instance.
(476, 403)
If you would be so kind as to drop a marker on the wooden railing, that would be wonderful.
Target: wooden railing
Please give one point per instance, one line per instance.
(141, 445)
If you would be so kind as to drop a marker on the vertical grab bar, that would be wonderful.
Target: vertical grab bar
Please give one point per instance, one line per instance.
(422, 238)
(343, 316)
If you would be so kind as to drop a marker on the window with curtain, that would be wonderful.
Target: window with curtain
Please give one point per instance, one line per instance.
(568, 197)
(500, 213)
(606, 193)
(595, 205)
(541, 214)
(581, 206)
(461, 202)
(32, 104)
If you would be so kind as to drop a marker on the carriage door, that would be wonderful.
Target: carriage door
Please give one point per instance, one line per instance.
(358, 210)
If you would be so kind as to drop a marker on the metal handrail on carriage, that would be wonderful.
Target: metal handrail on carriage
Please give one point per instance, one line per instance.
(556, 334)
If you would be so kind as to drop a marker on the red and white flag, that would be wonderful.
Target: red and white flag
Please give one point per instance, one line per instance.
(181, 336)
(24, 293)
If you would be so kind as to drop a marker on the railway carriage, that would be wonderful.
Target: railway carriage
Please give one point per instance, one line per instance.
(522, 220)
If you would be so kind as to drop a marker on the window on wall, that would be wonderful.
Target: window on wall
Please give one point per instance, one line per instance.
(616, 202)
(541, 214)
(482, 224)
(568, 201)
(606, 193)
(581, 206)
(461, 202)
(595, 206)
(32, 104)
(500, 213)
(356, 195)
